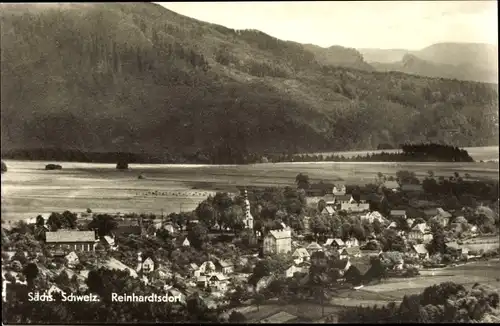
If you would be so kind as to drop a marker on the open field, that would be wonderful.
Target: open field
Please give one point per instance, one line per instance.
(28, 189)
(303, 310)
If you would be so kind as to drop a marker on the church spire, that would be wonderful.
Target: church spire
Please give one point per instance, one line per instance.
(248, 215)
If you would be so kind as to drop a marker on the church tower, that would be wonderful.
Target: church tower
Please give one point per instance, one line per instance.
(248, 220)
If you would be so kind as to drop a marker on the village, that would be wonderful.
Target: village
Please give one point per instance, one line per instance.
(239, 250)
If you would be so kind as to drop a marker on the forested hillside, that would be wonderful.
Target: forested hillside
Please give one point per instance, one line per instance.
(140, 78)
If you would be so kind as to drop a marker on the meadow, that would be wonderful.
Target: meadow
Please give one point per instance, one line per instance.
(28, 189)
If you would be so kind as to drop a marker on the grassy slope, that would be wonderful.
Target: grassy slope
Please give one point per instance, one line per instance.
(138, 77)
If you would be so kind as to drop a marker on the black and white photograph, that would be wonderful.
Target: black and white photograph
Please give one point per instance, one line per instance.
(250, 162)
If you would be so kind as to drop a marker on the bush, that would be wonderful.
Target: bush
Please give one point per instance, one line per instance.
(122, 166)
(53, 167)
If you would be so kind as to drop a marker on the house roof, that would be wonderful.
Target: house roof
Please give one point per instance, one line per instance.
(398, 212)
(71, 255)
(339, 242)
(420, 249)
(392, 225)
(313, 246)
(329, 198)
(441, 212)
(284, 234)
(109, 240)
(328, 242)
(430, 212)
(329, 209)
(193, 266)
(225, 263)
(300, 252)
(393, 256)
(113, 263)
(219, 277)
(278, 318)
(70, 236)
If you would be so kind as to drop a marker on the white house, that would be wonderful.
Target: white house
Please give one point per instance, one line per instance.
(290, 271)
(372, 217)
(352, 242)
(350, 252)
(420, 232)
(355, 207)
(207, 268)
(224, 266)
(301, 254)
(218, 282)
(147, 266)
(313, 247)
(54, 289)
(338, 243)
(328, 210)
(72, 259)
(419, 251)
(391, 185)
(186, 243)
(278, 242)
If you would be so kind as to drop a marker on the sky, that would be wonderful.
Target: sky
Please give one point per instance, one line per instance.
(408, 25)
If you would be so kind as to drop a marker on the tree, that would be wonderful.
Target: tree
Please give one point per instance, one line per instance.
(198, 236)
(4, 167)
(30, 272)
(321, 205)
(353, 275)
(302, 181)
(104, 224)
(206, 213)
(40, 221)
(437, 244)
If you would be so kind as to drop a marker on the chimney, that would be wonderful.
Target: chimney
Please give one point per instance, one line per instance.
(139, 261)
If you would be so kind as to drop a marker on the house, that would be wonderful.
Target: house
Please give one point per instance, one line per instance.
(186, 243)
(329, 199)
(339, 190)
(352, 242)
(207, 268)
(391, 185)
(350, 252)
(145, 267)
(224, 266)
(442, 217)
(409, 222)
(355, 207)
(290, 271)
(72, 259)
(218, 281)
(412, 188)
(393, 259)
(419, 251)
(201, 281)
(110, 242)
(281, 317)
(71, 240)
(398, 213)
(343, 199)
(372, 217)
(277, 242)
(313, 247)
(328, 210)
(301, 254)
(338, 243)
(163, 273)
(420, 232)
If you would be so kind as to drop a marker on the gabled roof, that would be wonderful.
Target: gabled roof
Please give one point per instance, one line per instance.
(225, 263)
(71, 255)
(420, 249)
(441, 212)
(328, 242)
(398, 212)
(313, 246)
(339, 242)
(193, 266)
(109, 240)
(219, 277)
(113, 263)
(392, 225)
(329, 209)
(70, 236)
(300, 252)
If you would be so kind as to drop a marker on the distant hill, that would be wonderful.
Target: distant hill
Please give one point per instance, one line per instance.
(138, 78)
(339, 56)
(463, 61)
